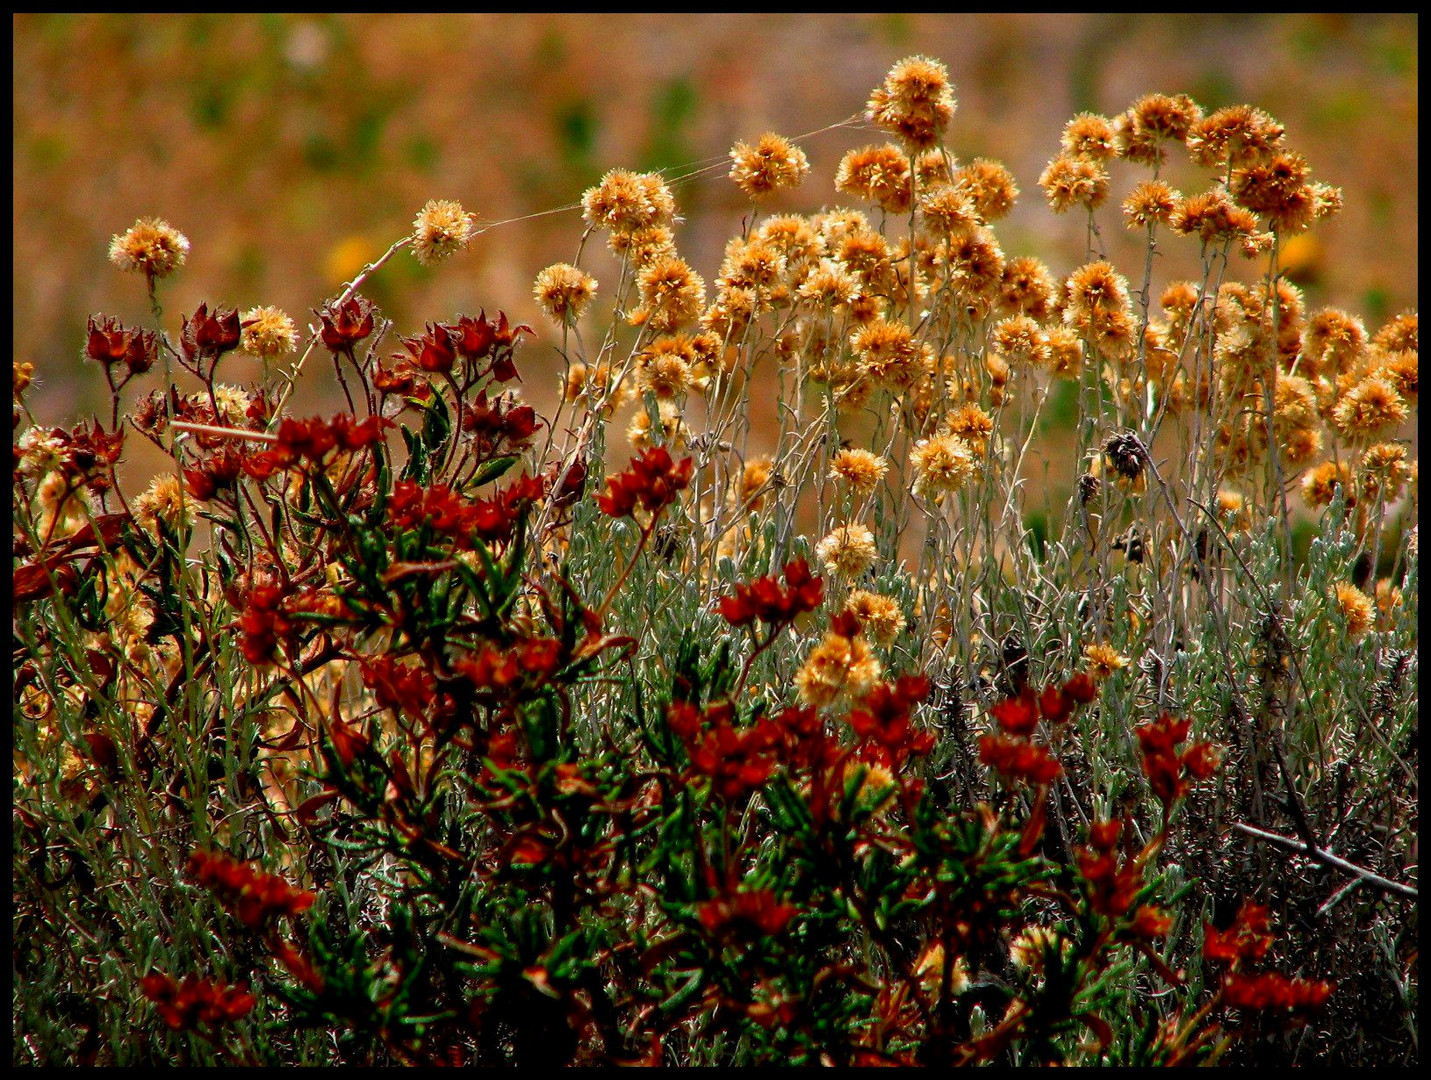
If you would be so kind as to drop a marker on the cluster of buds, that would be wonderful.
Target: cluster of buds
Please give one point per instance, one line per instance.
(737, 760)
(499, 426)
(452, 514)
(652, 481)
(405, 689)
(504, 671)
(1249, 938)
(185, 1005)
(882, 720)
(764, 599)
(745, 915)
(1113, 883)
(1170, 772)
(346, 324)
(253, 896)
(474, 340)
(208, 336)
(109, 342)
(1012, 752)
(311, 440)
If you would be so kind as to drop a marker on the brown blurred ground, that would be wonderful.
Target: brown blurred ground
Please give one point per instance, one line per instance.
(292, 149)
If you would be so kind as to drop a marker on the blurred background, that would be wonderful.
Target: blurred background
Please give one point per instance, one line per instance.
(291, 150)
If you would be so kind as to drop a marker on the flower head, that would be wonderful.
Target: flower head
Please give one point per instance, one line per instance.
(151, 245)
(440, 229)
(771, 164)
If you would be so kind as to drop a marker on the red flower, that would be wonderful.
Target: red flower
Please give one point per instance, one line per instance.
(1248, 938)
(253, 896)
(346, 324)
(1019, 759)
(1017, 716)
(652, 481)
(183, 1006)
(737, 760)
(764, 599)
(110, 342)
(1170, 773)
(749, 915)
(1112, 884)
(1271, 992)
(435, 351)
(207, 337)
(407, 689)
(883, 719)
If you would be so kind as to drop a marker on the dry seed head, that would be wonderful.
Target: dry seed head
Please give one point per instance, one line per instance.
(750, 492)
(915, 102)
(860, 469)
(1212, 217)
(1383, 472)
(772, 164)
(1021, 341)
(673, 427)
(1065, 352)
(971, 425)
(877, 174)
(1399, 335)
(1400, 370)
(1151, 202)
(1070, 182)
(848, 549)
(268, 333)
(933, 168)
(942, 463)
(1332, 343)
(440, 229)
(643, 246)
(948, 210)
(163, 500)
(152, 246)
(625, 201)
(1370, 411)
(887, 353)
(990, 185)
(563, 292)
(829, 285)
(1237, 135)
(879, 616)
(1320, 484)
(1233, 510)
(1103, 660)
(1089, 136)
(839, 668)
(671, 293)
(1300, 446)
(1356, 608)
(1279, 189)
(1028, 288)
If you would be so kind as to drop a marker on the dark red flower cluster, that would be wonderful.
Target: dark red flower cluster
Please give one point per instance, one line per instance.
(532, 662)
(109, 342)
(407, 689)
(499, 426)
(1019, 759)
(737, 760)
(217, 472)
(346, 324)
(745, 915)
(253, 896)
(882, 720)
(1019, 716)
(652, 481)
(765, 600)
(264, 623)
(1171, 773)
(402, 379)
(1271, 992)
(454, 515)
(311, 440)
(473, 340)
(185, 1005)
(207, 337)
(1248, 938)
(1113, 884)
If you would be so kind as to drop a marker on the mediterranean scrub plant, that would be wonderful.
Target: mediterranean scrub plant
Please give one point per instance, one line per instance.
(673, 728)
